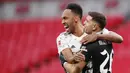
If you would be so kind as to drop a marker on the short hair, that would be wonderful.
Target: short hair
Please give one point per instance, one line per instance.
(99, 18)
(75, 8)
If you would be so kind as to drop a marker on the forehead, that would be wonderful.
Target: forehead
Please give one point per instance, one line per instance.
(67, 12)
(89, 18)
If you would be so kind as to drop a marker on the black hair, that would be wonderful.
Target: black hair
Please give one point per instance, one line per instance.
(99, 18)
(76, 9)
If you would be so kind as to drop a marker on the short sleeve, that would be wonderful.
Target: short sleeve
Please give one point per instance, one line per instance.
(105, 31)
(61, 43)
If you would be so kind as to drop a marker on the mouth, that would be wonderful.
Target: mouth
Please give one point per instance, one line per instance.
(66, 26)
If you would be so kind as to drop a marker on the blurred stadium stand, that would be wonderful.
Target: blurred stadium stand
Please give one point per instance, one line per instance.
(31, 45)
(28, 40)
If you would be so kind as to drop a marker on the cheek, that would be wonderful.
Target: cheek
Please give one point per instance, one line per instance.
(71, 23)
(88, 28)
(71, 27)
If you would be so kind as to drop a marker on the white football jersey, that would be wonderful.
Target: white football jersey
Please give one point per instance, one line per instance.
(66, 40)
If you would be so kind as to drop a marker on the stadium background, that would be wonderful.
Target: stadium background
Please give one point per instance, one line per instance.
(28, 31)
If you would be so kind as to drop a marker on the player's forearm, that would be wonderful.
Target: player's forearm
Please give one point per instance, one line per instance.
(71, 60)
(74, 58)
(113, 37)
(68, 55)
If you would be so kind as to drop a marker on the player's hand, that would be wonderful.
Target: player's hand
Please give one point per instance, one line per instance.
(89, 38)
(79, 57)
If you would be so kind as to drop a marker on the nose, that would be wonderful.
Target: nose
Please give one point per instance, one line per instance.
(63, 22)
(84, 22)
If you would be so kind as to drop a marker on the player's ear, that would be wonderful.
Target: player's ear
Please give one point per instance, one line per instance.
(94, 26)
(76, 19)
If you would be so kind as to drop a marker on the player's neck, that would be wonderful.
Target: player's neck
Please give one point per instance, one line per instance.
(78, 30)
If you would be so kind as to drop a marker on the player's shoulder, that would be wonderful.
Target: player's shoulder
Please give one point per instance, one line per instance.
(105, 31)
(63, 35)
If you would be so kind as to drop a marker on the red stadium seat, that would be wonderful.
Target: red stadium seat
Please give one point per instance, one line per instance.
(25, 43)
(114, 21)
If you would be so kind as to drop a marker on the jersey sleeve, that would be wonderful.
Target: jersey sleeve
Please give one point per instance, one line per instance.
(61, 43)
(105, 31)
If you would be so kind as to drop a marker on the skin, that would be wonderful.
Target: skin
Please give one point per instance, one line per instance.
(91, 26)
(71, 21)
(68, 21)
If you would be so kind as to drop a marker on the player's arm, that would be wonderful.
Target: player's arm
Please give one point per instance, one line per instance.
(111, 36)
(68, 55)
(75, 67)
(63, 47)
(71, 57)
(107, 35)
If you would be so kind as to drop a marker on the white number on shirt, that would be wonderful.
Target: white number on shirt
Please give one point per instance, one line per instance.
(102, 70)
